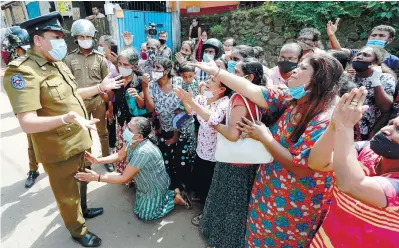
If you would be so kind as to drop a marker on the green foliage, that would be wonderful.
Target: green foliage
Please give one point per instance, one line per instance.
(216, 32)
(317, 14)
(387, 10)
(249, 40)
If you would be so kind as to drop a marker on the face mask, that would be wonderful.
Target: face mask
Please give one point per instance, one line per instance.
(151, 54)
(298, 92)
(286, 66)
(361, 66)
(59, 49)
(207, 57)
(377, 43)
(143, 55)
(195, 24)
(384, 147)
(100, 50)
(85, 44)
(209, 94)
(125, 71)
(128, 136)
(231, 65)
(162, 41)
(185, 55)
(156, 75)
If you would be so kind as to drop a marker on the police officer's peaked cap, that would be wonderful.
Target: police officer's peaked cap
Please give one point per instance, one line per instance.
(50, 22)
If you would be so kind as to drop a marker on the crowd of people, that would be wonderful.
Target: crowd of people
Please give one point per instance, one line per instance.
(327, 119)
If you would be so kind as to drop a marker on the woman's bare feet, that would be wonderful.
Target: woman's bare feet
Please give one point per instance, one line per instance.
(178, 198)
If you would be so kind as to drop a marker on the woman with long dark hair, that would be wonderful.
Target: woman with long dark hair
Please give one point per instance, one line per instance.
(288, 200)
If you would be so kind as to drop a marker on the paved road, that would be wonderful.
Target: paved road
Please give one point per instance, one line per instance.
(30, 218)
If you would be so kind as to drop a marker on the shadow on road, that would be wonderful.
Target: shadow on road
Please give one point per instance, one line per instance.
(11, 132)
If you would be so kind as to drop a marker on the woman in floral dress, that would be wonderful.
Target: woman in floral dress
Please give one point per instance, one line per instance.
(289, 200)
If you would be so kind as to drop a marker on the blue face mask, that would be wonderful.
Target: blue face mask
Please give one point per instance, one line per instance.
(128, 136)
(298, 92)
(377, 43)
(231, 65)
(58, 49)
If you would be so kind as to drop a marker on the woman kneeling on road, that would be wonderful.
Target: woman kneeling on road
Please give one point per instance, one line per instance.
(146, 166)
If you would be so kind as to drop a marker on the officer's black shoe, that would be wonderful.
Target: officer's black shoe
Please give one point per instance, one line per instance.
(109, 167)
(89, 240)
(92, 212)
(32, 175)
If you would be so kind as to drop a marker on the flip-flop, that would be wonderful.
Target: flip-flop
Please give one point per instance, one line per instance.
(186, 199)
(196, 221)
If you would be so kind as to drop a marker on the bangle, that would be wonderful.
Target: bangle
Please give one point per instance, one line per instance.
(99, 177)
(63, 121)
(217, 73)
(99, 89)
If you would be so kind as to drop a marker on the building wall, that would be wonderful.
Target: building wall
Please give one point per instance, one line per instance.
(206, 7)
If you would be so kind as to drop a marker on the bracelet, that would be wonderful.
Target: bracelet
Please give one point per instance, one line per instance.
(63, 121)
(99, 89)
(217, 73)
(99, 177)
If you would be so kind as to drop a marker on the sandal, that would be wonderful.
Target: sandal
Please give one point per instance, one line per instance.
(186, 199)
(196, 221)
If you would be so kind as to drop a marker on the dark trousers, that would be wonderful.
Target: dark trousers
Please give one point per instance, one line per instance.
(112, 134)
(202, 177)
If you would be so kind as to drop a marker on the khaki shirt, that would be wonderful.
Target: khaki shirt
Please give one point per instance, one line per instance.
(88, 70)
(34, 84)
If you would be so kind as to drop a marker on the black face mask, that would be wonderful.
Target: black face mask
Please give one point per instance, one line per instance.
(361, 66)
(286, 66)
(384, 147)
(162, 41)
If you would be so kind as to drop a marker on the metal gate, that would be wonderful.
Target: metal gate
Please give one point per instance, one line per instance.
(135, 21)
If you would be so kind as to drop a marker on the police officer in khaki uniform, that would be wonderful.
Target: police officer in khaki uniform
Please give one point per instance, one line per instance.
(89, 68)
(44, 96)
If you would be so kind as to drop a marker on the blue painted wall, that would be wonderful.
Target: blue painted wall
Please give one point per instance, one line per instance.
(33, 9)
(134, 22)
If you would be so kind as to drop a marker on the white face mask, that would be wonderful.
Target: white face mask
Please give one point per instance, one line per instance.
(209, 94)
(125, 71)
(156, 75)
(100, 50)
(58, 49)
(85, 44)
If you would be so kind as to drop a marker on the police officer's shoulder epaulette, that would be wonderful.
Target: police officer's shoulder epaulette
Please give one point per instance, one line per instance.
(73, 51)
(18, 61)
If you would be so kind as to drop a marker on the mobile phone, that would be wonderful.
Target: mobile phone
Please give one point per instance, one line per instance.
(114, 49)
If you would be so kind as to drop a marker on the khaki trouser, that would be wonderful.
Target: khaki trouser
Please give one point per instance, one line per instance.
(33, 165)
(97, 108)
(67, 193)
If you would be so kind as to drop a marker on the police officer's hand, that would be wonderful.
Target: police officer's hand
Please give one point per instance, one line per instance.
(73, 117)
(110, 83)
(89, 157)
(110, 116)
(145, 80)
(88, 176)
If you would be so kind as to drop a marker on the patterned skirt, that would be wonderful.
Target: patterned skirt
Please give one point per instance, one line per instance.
(225, 212)
(120, 166)
(154, 206)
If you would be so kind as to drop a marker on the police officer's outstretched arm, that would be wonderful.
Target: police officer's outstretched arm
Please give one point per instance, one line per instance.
(108, 83)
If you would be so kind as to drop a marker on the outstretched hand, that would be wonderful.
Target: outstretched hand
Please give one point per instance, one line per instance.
(73, 117)
(110, 83)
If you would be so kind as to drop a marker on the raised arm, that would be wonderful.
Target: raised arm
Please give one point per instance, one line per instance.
(236, 83)
(348, 170)
(331, 29)
(148, 101)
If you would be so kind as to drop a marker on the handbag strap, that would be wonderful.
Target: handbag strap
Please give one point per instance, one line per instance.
(247, 106)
